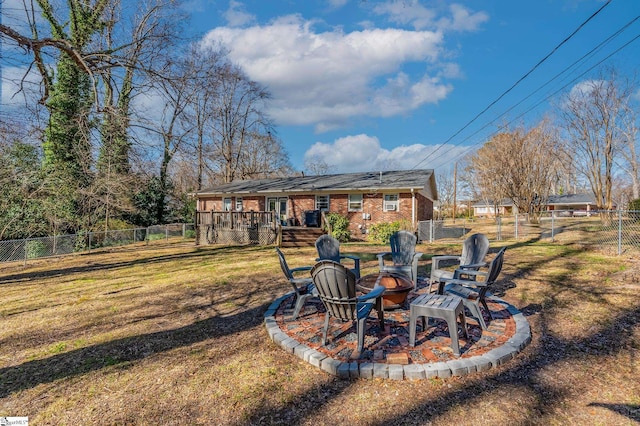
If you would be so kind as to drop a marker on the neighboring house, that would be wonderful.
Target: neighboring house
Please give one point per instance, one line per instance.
(364, 198)
(572, 204)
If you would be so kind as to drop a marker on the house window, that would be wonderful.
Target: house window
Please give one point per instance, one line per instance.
(322, 202)
(355, 202)
(390, 203)
(239, 204)
(226, 205)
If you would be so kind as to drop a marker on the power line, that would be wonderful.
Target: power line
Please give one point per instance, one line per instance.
(554, 50)
(564, 71)
(570, 82)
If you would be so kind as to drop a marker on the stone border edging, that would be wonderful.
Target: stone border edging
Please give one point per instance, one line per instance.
(375, 370)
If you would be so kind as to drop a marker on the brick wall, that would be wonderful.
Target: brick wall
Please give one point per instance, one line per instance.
(254, 203)
(298, 204)
(372, 206)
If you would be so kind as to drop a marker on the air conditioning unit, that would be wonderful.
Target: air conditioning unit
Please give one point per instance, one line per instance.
(390, 207)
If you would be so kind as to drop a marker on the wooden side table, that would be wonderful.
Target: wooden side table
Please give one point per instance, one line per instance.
(446, 307)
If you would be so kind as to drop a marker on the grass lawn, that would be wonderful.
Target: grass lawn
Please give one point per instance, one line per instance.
(174, 334)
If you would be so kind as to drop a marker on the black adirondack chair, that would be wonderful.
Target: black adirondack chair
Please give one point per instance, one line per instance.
(302, 284)
(336, 286)
(472, 286)
(403, 254)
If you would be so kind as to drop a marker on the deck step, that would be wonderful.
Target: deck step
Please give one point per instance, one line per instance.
(300, 236)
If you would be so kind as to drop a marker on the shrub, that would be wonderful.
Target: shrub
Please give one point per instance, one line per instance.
(156, 237)
(35, 249)
(381, 232)
(190, 233)
(81, 242)
(339, 227)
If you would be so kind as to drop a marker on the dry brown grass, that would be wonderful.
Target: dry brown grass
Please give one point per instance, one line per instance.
(175, 335)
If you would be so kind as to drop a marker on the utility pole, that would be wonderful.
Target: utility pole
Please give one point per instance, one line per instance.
(1, 57)
(455, 190)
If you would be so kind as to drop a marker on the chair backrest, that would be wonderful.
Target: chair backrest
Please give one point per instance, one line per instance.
(336, 286)
(495, 266)
(328, 248)
(403, 246)
(283, 264)
(474, 249)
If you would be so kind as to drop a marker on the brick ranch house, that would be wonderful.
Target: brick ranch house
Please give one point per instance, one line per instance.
(568, 204)
(364, 198)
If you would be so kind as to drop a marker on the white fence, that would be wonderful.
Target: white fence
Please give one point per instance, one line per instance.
(35, 248)
(617, 231)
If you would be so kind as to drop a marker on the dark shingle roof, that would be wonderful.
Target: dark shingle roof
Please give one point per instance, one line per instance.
(420, 180)
(567, 199)
(572, 199)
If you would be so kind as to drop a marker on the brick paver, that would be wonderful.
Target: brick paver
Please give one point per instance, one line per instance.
(508, 333)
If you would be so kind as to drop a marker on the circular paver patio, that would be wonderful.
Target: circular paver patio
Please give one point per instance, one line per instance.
(387, 353)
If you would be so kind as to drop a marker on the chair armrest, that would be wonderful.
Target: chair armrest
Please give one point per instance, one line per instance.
(301, 269)
(356, 260)
(474, 266)
(463, 283)
(471, 273)
(435, 260)
(381, 257)
(348, 256)
(373, 294)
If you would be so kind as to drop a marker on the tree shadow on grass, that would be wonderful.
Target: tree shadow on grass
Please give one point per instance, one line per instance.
(123, 351)
(198, 252)
(526, 373)
(608, 341)
(631, 411)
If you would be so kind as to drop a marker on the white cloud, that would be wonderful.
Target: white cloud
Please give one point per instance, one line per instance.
(364, 153)
(585, 87)
(462, 19)
(193, 5)
(326, 78)
(236, 15)
(17, 85)
(337, 4)
(411, 12)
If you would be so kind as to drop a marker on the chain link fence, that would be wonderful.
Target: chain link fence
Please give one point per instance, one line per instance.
(613, 231)
(35, 248)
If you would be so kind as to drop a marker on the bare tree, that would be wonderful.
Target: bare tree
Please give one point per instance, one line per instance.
(516, 164)
(446, 191)
(591, 115)
(263, 156)
(206, 65)
(238, 118)
(628, 149)
(177, 92)
(316, 165)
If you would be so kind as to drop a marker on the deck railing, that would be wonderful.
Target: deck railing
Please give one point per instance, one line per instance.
(225, 227)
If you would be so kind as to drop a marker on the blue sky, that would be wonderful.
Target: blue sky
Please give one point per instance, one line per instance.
(376, 85)
(379, 85)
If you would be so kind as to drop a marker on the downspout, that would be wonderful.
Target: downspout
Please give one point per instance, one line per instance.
(413, 209)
